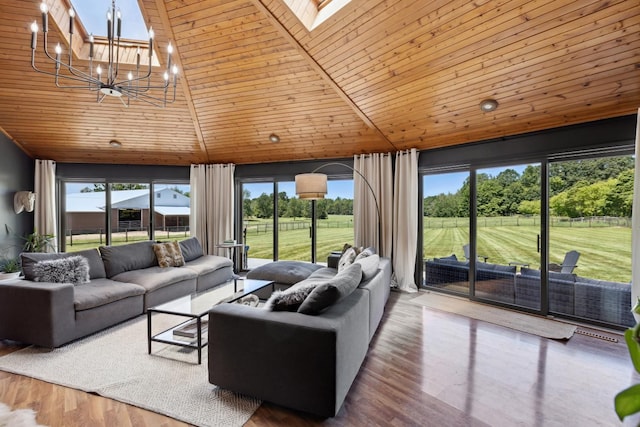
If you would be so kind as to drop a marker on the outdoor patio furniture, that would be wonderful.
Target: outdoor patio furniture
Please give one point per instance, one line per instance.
(568, 264)
(465, 248)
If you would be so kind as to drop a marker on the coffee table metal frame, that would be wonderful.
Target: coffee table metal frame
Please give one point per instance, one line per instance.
(196, 307)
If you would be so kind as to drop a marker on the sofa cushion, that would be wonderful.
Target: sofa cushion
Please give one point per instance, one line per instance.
(96, 267)
(153, 278)
(291, 298)
(73, 269)
(191, 249)
(369, 266)
(208, 263)
(328, 293)
(132, 256)
(168, 254)
(285, 272)
(99, 292)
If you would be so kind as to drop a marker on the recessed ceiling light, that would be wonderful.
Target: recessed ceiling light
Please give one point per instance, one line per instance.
(274, 138)
(115, 143)
(488, 105)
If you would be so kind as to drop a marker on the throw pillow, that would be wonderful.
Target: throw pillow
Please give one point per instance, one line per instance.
(289, 299)
(168, 254)
(347, 259)
(191, 249)
(327, 294)
(369, 266)
(365, 253)
(73, 269)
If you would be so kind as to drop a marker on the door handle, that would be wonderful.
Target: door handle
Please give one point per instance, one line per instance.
(538, 243)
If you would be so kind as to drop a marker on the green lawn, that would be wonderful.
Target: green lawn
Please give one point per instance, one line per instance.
(605, 252)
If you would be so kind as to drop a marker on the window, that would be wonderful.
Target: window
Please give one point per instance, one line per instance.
(93, 15)
(130, 218)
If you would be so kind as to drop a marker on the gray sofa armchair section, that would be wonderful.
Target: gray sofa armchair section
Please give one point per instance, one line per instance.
(123, 282)
(300, 361)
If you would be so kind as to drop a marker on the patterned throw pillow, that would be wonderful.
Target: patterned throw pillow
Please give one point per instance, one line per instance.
(347, 258)
(73, 269)
(289, 299)
(168, 254)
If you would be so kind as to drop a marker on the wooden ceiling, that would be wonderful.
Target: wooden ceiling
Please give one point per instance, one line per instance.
(376, 76)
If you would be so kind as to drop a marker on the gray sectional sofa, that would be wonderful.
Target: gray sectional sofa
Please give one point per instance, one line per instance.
(306, 362)
(600, 300)
(123, 282)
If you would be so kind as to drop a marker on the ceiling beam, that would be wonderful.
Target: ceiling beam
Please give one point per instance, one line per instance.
(166, 23)
(318, 69)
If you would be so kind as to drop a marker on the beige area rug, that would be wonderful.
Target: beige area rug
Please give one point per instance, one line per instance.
(115, 364)
(546, 328)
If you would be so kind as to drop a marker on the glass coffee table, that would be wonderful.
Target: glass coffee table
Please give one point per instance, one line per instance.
(195, 308)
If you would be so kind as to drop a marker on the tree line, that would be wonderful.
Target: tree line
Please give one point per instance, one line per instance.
(293, 207)
(578, 188)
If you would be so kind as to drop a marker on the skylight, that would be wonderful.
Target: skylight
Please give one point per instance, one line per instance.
(93, 15)
(312, 13)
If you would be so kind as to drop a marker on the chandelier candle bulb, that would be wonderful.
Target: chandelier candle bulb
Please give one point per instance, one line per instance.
(119, 15)
(91, 45)
(72, 15)
(44, 9)
(150, 43)
(34, 34)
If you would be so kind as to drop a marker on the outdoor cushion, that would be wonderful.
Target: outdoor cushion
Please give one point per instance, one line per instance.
(103, 291)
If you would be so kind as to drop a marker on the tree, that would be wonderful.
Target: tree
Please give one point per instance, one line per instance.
(247, 206)
(263, 206)
(296, 208)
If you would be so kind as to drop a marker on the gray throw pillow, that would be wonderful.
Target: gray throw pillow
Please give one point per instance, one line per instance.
(365, 253)
(327, 294)
(369, 266)
(74, 269)
(289, 299)
(191, 249)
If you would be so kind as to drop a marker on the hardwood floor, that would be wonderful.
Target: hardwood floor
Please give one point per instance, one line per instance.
(424, 368)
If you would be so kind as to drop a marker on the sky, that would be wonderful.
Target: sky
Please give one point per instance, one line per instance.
(93, 14)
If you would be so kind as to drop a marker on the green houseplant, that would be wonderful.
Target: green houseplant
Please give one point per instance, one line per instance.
(627, 402)
(36, 242)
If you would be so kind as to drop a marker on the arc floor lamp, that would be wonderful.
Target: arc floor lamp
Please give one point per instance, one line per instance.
(313, 186)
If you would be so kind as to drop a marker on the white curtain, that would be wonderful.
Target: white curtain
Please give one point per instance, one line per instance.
(45, 218)
(405, 224)
(198, 214)
(635, 222)
(212, 205)
(376, 169)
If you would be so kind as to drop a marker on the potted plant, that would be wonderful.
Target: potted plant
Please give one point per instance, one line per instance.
(627, 402)
(36, 242)
(10, 269)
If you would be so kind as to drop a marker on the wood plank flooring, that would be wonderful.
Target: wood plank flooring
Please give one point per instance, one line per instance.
(424, 368)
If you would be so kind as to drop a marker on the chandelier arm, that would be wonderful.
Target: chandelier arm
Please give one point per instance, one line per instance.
(33, 65)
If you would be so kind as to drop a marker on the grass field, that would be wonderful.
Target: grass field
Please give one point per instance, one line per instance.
(605, 249)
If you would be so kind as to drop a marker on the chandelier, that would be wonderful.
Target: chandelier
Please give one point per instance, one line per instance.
(111, 79)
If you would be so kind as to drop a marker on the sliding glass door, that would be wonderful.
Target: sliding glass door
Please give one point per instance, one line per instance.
(294, 224)
(508, 225)
(590, 238)
(446, 231)
(257, 223)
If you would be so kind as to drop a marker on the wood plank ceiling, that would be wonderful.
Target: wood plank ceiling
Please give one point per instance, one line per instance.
(376, 76)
